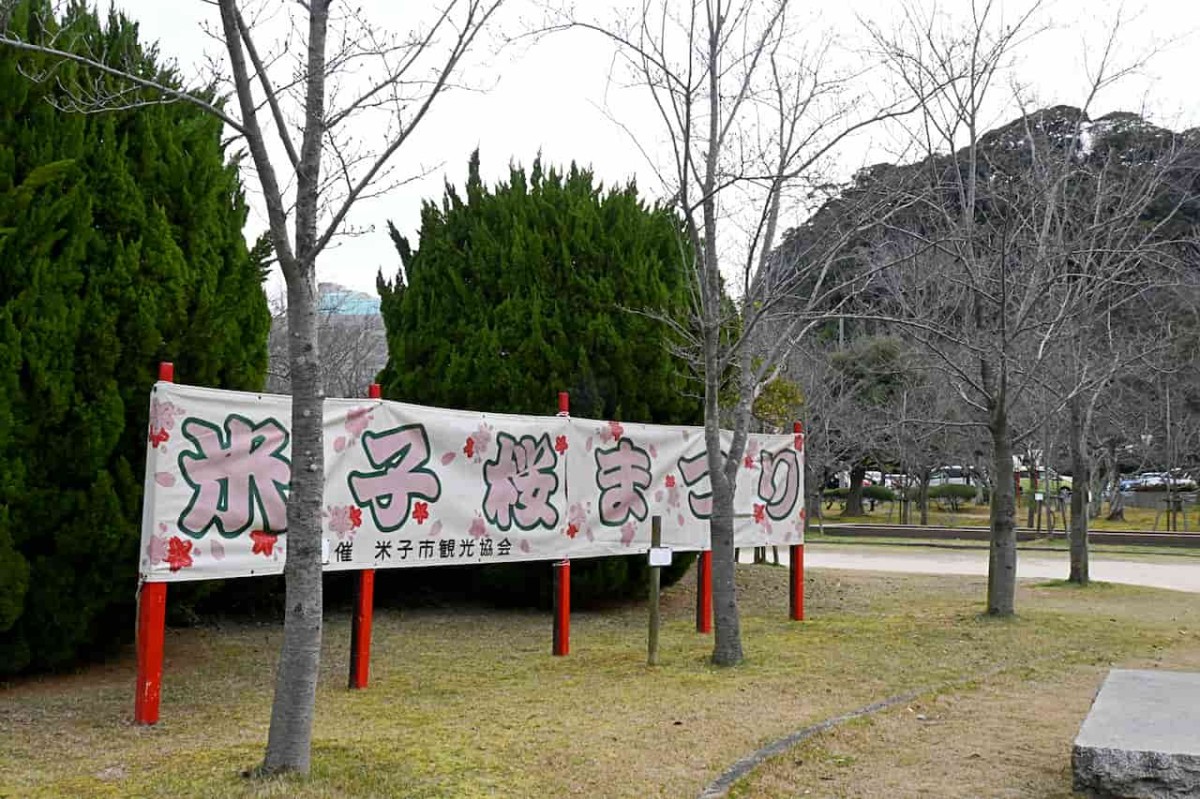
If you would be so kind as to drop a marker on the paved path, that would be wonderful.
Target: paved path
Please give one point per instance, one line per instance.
(1177, 573)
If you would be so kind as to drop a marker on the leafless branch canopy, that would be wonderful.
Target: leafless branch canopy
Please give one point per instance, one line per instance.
(376, 88)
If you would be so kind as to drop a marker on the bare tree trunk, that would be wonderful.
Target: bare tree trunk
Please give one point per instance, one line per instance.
(1095, 488)
(1033, 487)
(1116, 506)
(854, 497)
(978, 478)
(1079, 517)
(1002, 556)
(923, 499)
(288, 744)
(1116, 502)
(727, 647)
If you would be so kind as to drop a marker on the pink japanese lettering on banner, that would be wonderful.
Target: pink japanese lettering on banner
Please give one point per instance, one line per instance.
(410, 486)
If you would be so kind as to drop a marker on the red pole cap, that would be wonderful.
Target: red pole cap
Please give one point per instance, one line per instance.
(564, 403)
(166, 372)
(375, 391)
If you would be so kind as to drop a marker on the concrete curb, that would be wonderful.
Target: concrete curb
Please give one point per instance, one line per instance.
(719, 787)
(848, 541)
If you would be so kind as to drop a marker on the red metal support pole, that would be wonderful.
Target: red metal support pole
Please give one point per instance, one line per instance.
(360, 629)
(364, 610)
(704, 592)
(152, 616)
(561, 646)
(151, 628)
(796, 553)
(797, 583)
(562, 608)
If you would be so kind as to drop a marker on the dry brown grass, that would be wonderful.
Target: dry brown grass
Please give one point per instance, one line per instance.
(1008, 736)
(977, 516)
(469, 702)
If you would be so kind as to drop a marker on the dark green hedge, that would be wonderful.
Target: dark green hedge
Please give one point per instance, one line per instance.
(529, 287)
(120, 246)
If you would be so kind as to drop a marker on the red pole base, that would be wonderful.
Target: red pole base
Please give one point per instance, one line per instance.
(704, 592)
(151, 626)
(562, 609)
(360, 630)
(796, 555)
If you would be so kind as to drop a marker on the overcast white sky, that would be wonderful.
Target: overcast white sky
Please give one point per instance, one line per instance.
(551, 97)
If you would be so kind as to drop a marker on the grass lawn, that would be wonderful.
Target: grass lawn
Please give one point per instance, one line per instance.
(977, 516)
(1008, 736)
(468, 702)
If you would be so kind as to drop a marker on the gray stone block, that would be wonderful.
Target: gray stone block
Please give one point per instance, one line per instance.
(1141, 739)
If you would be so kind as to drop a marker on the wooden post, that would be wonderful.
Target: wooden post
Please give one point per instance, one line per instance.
(364, 610)
(704, 593)
(151, 628)
(655, 590)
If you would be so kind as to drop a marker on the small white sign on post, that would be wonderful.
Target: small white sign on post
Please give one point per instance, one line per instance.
(660, 556)
(1039, 496)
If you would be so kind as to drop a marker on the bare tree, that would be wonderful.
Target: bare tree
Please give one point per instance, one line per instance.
(352, 340)
(749, 114)
(307, 109)
(1003, 265)
(1117, 226)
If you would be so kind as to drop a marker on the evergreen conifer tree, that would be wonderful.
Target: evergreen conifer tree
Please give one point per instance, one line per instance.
(120, 246)
(532, 287)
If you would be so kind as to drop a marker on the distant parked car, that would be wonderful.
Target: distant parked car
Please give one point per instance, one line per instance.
(1161, 481)
(950, 475)
(1058, 483)
(1129, 483)
(1152, 481)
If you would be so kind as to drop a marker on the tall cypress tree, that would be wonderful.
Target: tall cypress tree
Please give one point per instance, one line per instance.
(532, 287)
(120, 246)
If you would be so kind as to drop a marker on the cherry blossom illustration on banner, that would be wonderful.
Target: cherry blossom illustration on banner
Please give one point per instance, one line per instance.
(479, 443)
(179, 553)
(753, 448)
(577, 521)
(610, 432)
(163, 414)
(357, 421)
(156, 547)
(264, 543)
(344, 520)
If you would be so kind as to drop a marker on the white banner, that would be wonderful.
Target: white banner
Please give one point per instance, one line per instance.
(407, 485)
